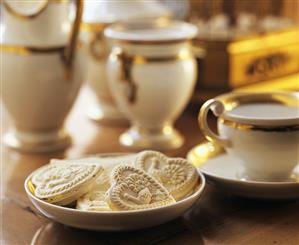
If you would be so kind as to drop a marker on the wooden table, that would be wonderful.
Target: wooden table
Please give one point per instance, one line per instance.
(217, 218)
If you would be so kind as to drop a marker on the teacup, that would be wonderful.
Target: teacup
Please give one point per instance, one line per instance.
(152, 73)
(261, 130)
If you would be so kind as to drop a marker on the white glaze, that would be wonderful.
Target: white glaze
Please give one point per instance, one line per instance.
(265, 155)
(265, 114)
(162, 89)
(36, 91)
(106, 12)
(50, 28)
(262, 133)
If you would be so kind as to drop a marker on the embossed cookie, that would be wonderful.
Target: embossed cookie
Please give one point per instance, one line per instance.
(64, 183)
(133, 189)
(93, 201)
(150, 161)
(177, 175)
(102, 183)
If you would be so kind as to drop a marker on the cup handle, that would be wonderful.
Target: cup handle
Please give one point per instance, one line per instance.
(217, 108)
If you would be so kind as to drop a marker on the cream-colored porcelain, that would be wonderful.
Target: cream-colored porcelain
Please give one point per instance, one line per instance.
(97, 15)
(262, 130)
(152, 75)
(223, 171)
(41, 73)
(114, 220)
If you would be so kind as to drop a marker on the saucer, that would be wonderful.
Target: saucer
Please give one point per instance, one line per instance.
(113, 220)
(222, 171)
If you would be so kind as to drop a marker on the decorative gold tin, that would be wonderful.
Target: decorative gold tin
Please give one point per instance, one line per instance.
(256, 63)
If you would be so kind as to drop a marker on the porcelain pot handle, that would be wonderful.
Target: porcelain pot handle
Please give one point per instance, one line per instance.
(69, 52)
(126, 63)
(217, 108)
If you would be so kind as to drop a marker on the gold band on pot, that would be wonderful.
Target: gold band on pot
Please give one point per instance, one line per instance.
(155, 42)
(243, 126)
(140, 59)
(22, 50)
(127, 61)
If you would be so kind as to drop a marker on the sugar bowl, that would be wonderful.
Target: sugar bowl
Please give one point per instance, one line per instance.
(151, 72)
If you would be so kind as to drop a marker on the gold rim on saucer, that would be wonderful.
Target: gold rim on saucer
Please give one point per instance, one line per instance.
(203, 152)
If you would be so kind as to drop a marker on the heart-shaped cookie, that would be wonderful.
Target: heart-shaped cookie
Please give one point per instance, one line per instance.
(177, 175)
(93, 201)
(64, 183)
(134, 189)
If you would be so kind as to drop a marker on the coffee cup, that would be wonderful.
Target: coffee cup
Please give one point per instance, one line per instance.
(259, 129)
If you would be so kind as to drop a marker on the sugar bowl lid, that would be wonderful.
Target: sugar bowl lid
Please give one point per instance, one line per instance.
(262, 109)
(152, 31)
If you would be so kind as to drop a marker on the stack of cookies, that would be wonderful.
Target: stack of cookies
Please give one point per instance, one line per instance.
(145, 180)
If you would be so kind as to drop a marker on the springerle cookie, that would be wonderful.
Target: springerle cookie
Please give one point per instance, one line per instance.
(64, 183)
(93, 201)
(177, 175)
(134, 189)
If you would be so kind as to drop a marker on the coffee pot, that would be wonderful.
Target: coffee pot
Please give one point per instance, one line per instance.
(41, 71)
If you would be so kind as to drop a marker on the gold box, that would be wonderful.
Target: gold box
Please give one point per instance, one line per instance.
(249, 61)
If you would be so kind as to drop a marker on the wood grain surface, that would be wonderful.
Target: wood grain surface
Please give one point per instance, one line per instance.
(217, 218)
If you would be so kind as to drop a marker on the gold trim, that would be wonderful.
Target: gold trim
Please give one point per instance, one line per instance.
(145, 23)
(203, 152)
(127, 61)
(140, 59)
(234, 99)
(261, 41)
(125, 73)
(92, 27)
(153, 42)
(244, 126)
(31, 187)
(22, 50)
(69, 52)
(218, 109)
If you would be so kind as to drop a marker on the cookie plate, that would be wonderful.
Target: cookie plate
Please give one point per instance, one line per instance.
(113, 220)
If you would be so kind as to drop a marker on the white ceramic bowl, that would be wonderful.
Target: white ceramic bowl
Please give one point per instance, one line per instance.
(114, 220)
